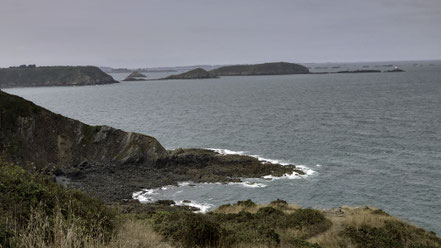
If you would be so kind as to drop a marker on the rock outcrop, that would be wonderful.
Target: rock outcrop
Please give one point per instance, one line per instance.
(279, 68)
(197, 73)
(31, 135)
(53, 76)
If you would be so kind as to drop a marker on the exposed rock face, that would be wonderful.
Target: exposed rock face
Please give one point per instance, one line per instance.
(197, 73)
(106, 162)
(136, 74)
(53, 76)
(35, 136)
(279, 68)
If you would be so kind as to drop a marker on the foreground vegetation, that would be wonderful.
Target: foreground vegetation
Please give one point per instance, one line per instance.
(36, 212)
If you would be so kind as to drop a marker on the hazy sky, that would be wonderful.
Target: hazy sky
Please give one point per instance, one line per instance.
(135, 33)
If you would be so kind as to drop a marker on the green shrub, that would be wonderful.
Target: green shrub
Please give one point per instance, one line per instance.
(279, 204)
(22, 193)
(393, 234)
(189, 229)
(247, 204)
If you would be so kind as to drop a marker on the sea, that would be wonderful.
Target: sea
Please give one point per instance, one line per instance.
(364, 139)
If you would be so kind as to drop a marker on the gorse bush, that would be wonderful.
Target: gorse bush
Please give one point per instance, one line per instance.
(191, 230)
(22, 194)
(393, 233)
(229, 229)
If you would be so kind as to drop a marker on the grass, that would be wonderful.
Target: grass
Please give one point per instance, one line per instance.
(370, 227)
(26, 198)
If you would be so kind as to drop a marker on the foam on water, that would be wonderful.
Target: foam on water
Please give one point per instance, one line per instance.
(203, 207)
(308, 171)
(248, 184)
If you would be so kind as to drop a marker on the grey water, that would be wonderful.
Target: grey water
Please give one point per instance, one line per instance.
(371, 139)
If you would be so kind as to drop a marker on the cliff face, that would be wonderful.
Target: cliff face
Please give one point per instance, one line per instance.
(260, 69)
(197, 73)
(31, 135)
(53, 76)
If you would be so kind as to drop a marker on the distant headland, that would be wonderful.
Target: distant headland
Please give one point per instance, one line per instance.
(31, 76)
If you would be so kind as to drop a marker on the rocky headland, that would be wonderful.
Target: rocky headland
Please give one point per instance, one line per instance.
(32, 76)
(110, 163)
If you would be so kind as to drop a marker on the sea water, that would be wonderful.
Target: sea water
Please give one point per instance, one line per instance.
(364, 139)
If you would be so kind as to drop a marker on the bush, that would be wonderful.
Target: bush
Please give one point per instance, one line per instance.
(247, 204)
(392, 234)
(189, 229)
(279, 204)
(22, 194)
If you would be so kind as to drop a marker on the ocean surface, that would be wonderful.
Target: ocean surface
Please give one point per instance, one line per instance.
(365, 139)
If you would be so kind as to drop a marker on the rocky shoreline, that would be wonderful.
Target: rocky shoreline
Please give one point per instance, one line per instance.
(109, 163)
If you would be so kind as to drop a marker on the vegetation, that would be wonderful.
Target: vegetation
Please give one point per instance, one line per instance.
(31, 203)
(36, 212)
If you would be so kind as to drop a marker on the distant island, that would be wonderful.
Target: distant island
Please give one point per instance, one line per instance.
(278, 68)
(135, 76)
(396, 69)
(360, 71)
(31, 75)
(197, 73)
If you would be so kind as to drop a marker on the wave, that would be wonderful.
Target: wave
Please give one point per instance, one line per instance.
(248, 184)
(203, 207)
(308, 171)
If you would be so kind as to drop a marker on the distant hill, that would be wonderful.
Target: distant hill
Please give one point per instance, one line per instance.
(136, 74)
(26, 76)
(197, 73)
(278, 68)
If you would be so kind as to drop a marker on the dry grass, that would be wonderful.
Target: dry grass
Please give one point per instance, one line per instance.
(234, 209)
(136, 234)
(347, 216)
(375, 219)
(68, 234)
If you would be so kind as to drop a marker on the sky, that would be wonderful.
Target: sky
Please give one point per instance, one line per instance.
(153, 33)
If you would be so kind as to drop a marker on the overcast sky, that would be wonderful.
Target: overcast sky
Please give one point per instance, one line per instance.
(149, 33)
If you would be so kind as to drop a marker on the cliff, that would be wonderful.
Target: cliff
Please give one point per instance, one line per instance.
(53, 76)
(279, 68)
(197, 73)
(107, 162)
